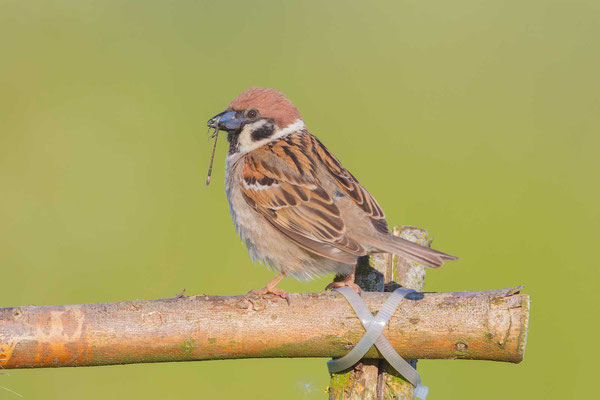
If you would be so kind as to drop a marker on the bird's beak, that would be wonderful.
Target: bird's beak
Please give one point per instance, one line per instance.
(226, 121)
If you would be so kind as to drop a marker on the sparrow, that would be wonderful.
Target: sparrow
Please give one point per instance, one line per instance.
(295, 206)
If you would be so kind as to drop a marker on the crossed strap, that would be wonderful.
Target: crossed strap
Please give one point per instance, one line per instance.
(373, 335)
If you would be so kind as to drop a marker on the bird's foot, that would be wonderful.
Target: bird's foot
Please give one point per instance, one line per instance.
(349, 281)
(271, 290)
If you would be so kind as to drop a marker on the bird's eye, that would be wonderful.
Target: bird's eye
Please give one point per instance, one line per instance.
(252, 113)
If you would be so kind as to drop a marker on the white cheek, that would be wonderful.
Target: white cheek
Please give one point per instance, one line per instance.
(245, 142)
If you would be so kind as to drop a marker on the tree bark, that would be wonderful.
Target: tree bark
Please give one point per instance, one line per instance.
(489, 325)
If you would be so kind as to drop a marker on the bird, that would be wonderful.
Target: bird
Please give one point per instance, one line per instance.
(298, 210)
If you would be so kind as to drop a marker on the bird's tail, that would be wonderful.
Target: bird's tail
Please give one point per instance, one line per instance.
(411, 251)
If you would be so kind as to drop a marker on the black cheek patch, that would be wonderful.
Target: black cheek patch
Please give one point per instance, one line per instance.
(263, 132)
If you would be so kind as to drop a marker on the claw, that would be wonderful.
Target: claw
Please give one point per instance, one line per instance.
(272, 289)
(349, 281)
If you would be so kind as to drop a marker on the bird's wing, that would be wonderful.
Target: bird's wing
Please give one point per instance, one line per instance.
(276, 184)
(349, 185)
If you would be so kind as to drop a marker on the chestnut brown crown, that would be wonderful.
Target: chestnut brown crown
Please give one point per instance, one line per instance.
(270, 103)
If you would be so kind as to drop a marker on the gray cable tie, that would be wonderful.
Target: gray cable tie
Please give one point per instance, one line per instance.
(374, 327)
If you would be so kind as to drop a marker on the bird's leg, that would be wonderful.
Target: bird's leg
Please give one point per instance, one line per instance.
(271, 288)
(349, 281)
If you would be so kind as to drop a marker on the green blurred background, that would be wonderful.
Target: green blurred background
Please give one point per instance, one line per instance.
(478, 120)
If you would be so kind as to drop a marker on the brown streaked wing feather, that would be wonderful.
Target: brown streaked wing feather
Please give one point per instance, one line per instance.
(349, 184)
(294, 202)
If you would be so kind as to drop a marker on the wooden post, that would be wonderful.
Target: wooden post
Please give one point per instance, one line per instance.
(375, 379)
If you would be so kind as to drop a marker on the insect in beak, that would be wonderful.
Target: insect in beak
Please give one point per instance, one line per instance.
(212, 156)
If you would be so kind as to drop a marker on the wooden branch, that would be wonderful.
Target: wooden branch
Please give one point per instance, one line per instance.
(474, 325)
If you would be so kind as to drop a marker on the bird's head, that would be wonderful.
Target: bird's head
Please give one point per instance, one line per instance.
(256, 117)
